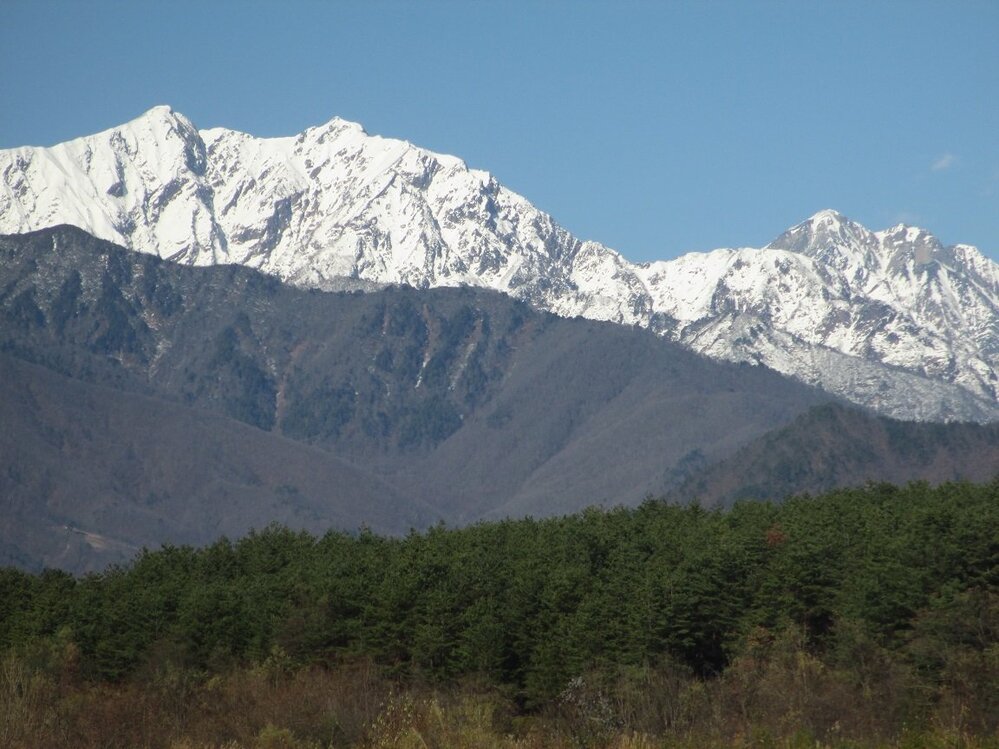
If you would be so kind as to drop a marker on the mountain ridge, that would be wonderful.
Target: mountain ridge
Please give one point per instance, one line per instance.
(465, 392)
(151, 401)
(891, 320)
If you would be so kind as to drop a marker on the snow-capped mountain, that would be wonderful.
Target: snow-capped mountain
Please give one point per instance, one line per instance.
(891, 319)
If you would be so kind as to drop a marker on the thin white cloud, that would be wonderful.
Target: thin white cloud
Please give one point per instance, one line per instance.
(946, 161)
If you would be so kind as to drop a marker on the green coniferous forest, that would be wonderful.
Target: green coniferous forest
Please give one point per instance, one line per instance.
(864, 617)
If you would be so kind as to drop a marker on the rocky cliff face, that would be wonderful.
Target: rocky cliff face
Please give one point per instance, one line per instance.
(892, 320)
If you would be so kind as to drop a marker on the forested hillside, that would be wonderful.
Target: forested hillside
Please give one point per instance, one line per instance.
(93, 473)
(866, 615)
(833, 446)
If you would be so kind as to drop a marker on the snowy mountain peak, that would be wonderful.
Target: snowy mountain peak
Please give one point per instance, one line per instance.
(868, 316)
(161, 113)
(161, 123)
(828, 221)
(335, 127)
(826, 229)
(836, 242)
(903, 240)
(906, 232)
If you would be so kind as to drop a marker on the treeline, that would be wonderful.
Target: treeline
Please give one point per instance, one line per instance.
(887, 596)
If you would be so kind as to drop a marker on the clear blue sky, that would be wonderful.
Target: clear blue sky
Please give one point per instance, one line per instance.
(655, 128)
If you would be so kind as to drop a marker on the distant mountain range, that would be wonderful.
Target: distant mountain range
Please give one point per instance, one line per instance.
(890, 320)
(148, 401)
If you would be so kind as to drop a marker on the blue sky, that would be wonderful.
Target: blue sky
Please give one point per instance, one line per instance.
(655, 128)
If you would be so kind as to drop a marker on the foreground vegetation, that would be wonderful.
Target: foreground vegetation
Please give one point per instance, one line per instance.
(867, 617)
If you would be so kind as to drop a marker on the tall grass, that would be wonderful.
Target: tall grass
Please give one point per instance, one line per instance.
(776, 695)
